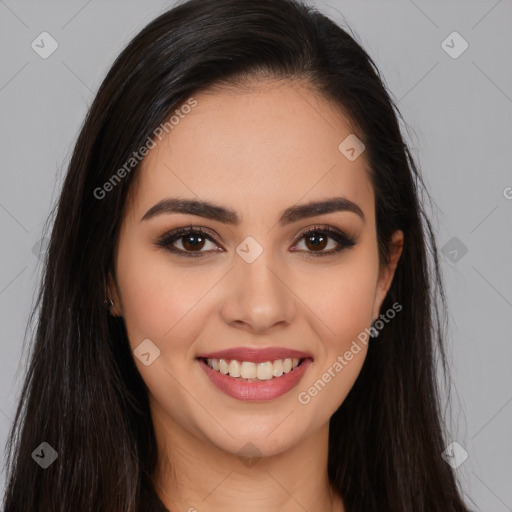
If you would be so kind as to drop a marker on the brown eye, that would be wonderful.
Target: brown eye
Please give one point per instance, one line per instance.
(192, 242)
(317, 239)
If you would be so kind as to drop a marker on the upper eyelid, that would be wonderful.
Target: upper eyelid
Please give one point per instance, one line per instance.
(182, 231)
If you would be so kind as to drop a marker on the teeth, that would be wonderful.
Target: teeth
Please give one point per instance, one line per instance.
(234, 368)
(250, 370)
(265, 370)
(223, 367)
(278, 368)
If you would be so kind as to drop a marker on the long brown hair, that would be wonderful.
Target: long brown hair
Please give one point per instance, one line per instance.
(83, 394)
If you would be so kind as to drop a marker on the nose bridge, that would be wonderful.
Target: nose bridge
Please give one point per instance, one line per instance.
(258, 296)
(259, 276)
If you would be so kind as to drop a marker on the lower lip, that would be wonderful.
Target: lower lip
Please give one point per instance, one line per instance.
(256, 391)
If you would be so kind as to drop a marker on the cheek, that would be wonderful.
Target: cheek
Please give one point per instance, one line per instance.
(164, 304)
(156, 297)
(342, 301)
(342, 297)
(343, 309)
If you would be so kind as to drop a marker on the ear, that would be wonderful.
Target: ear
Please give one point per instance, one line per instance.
(114, 295)
(387, 272)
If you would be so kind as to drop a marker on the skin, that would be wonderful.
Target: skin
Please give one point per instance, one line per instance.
(256, 150)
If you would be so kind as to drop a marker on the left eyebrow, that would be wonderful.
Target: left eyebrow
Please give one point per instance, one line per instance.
(225, 215)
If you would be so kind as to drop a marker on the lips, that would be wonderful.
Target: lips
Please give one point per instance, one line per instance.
(256, 355)
(252, 389)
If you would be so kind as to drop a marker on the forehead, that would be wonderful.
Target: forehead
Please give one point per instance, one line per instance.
(255, 150)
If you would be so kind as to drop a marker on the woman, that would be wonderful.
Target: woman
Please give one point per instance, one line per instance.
(241, 200)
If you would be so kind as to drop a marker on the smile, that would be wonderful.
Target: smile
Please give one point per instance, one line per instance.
(255, 381)
(253, 371)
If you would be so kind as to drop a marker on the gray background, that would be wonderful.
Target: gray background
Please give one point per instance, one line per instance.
(459, 112)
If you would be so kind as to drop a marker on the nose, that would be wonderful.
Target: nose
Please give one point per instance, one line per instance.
(258, 296)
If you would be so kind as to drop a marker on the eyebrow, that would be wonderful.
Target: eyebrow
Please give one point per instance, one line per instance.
(228, 216)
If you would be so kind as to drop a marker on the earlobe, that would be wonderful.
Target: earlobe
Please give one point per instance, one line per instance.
(113, 302)
(387, 272)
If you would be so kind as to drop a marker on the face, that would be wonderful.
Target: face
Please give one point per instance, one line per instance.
(264, 274)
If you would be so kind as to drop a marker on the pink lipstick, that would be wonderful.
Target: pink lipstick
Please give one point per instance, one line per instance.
(255, 374)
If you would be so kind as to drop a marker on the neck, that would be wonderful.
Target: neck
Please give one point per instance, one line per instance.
(195, 475)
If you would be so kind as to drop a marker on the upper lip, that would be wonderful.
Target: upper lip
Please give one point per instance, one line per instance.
(256, 355)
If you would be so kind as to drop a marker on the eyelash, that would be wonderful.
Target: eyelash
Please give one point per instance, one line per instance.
(168, 239)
